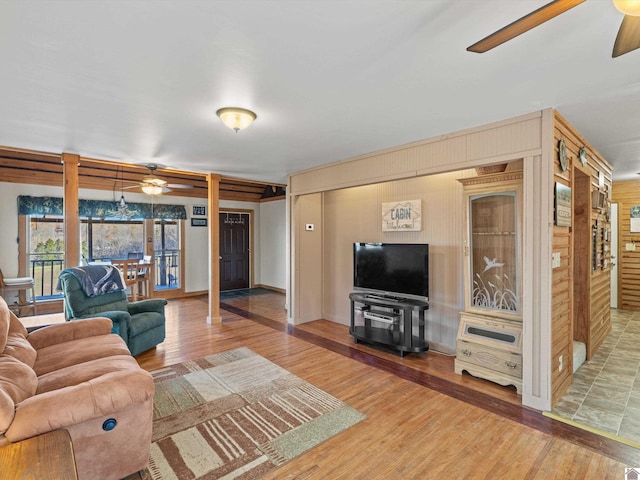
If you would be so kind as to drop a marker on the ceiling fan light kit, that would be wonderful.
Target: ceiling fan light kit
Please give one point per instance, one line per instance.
(151, 184)
(236, 118)
(628, 7)
(151, 189)
(153, 180)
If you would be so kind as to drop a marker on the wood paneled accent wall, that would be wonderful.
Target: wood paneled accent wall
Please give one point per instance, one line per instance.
(581, 296)
(627, 195)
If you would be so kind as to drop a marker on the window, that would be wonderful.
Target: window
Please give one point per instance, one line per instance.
(103, 236)
(166, 234)
(101, 240)
(45, 258)
(111, 239)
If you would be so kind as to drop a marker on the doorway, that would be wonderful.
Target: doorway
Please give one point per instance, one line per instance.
(235, 251)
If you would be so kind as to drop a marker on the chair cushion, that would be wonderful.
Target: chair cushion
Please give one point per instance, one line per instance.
(78, 351)
(20, 348)
(83, 372)
(142, 322)
(17, 383)
(13, 337)
(19, 282)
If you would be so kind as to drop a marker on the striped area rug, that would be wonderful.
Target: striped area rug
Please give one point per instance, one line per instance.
(236, 415)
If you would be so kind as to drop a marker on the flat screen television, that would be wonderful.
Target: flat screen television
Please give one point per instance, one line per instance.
(392, 269)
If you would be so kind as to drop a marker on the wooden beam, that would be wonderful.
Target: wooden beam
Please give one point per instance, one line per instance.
(214, 248)
(42, 168)
(71, 210)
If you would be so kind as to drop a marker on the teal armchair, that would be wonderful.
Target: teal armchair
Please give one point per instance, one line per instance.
(140, 324)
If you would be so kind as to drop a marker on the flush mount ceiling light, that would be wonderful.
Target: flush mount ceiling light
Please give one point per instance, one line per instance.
(628, 7)
(151, 189)
(236, 118)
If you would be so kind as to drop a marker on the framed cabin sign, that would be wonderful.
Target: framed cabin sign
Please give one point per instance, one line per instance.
(402, 216)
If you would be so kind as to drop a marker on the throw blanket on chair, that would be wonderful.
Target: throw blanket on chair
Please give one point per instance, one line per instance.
(97, 279)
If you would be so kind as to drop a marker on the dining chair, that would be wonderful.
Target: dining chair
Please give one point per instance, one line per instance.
(21, 286)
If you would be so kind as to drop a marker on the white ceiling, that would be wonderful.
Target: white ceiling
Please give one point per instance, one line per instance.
(140, 81)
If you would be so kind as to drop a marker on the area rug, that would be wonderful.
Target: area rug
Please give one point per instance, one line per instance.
(236, 415)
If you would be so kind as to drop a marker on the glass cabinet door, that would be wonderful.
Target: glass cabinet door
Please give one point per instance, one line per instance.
(494, 252)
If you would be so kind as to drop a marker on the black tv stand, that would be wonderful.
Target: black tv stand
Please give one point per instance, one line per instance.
(388, 321)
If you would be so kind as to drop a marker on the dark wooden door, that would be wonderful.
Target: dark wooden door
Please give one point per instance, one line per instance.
(234, 251)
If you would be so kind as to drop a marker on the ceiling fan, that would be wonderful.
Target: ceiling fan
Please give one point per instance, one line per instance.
(628, 38)
(152, 184)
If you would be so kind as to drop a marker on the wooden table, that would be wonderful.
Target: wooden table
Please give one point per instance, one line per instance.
(49, 455)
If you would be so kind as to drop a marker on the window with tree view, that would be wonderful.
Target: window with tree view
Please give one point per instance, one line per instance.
(101, 240)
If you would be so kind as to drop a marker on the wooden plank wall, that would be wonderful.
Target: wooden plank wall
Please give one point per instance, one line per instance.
(626, 195)
(574, 245)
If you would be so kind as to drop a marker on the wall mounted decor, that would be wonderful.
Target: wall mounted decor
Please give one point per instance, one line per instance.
(563, 205)
(634, 220)
(582, 156)
(402, 216)
(199, 210)
(198, 222)
(562, 155)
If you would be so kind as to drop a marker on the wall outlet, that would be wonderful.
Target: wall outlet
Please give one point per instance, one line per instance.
(630, 247)
(555, 260)
(561, 366)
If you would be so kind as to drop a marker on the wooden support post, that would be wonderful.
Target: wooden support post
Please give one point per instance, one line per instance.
(148, 249)
(214, 248)
(70, 163)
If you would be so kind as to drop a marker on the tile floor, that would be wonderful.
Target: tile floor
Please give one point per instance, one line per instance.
(605, 393)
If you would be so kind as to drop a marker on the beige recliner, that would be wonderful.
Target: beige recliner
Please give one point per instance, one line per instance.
(80, 377)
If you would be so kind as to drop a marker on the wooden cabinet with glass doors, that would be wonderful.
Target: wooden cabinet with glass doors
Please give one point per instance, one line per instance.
(489, 342)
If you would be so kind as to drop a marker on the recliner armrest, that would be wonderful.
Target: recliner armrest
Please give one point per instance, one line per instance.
(102, 396)
(65, 332)
(120, 321)
(149, 305)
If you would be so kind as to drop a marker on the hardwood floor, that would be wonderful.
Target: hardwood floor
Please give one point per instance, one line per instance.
(423, 420)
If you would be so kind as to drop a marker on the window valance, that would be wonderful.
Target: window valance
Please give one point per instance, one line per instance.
(28, 205)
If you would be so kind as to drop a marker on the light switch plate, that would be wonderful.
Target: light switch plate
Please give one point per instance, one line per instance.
(308, 227)
(630, 247)
(555, 260)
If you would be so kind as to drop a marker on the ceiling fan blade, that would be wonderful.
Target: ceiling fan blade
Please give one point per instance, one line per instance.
(178, 185)
(524, 24)
(628, 38)
(140, 185)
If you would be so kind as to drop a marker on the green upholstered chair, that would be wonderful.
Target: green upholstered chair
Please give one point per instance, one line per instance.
(141, 324)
